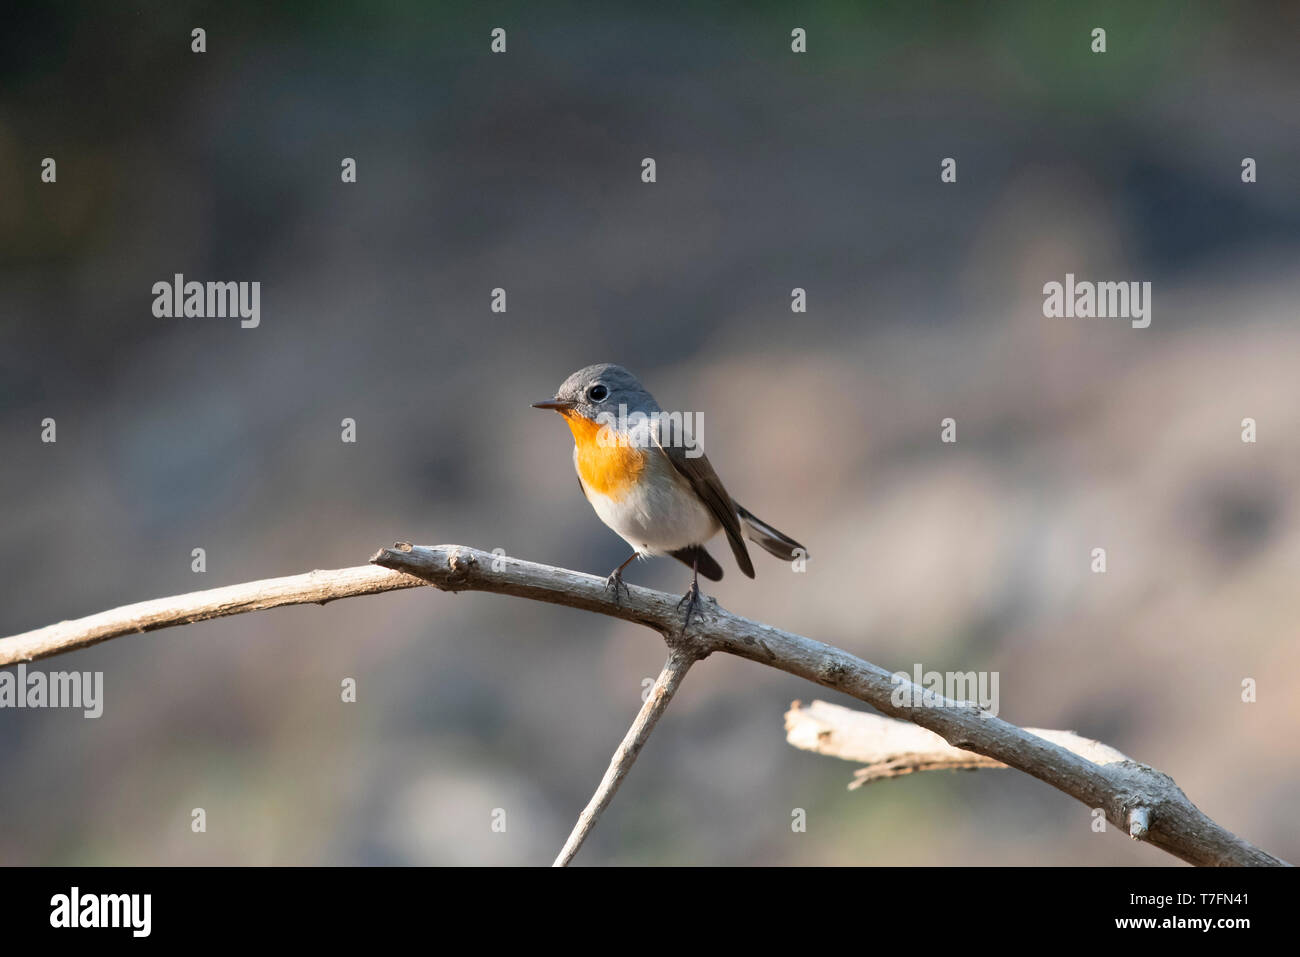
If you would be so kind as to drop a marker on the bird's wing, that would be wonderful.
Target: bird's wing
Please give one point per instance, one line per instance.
(709, 488)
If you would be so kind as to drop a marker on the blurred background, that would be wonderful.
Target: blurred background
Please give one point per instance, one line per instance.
(522, 171)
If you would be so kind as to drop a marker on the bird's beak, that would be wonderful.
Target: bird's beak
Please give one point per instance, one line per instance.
(559, 405)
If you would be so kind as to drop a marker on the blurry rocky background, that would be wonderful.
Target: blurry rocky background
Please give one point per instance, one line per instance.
(522, 171)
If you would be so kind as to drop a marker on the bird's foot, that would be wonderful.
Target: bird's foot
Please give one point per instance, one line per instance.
(691, 600)
(615, 581)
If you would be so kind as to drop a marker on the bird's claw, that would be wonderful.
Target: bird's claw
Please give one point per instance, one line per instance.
(615, 581)
(691, 599)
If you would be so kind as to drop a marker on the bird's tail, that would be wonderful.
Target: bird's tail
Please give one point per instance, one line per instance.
(776, 542)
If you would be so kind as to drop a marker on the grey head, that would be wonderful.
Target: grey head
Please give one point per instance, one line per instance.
(600, 388)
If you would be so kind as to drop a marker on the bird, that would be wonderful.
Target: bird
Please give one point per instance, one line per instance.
(648, 479)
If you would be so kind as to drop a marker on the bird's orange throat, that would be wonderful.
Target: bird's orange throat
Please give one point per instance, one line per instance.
(605, 466)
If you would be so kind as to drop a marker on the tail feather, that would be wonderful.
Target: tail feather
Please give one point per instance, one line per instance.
(770, 539)
(708, 565)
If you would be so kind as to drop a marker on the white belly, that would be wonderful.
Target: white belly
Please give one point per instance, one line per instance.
(660, 514)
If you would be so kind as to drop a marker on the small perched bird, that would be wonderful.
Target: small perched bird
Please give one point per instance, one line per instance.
(650, 482)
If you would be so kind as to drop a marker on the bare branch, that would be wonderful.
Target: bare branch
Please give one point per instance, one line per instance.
(318, 587)
(1173, 822)
(679, 662)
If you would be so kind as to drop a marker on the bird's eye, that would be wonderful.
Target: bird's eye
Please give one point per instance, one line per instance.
(597, 393)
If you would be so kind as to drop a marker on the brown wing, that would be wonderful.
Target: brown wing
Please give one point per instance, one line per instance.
(709, 487)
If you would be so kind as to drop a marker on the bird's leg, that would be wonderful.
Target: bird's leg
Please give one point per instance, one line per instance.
(615, 579)
(692, 596)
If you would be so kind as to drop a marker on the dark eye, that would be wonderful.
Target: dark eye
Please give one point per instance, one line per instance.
(597, 393)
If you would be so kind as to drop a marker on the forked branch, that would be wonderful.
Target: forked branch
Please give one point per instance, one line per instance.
(1143, 801)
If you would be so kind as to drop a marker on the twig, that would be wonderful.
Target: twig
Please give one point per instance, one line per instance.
(1174, 823)
(679, 662)
(891, 748)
